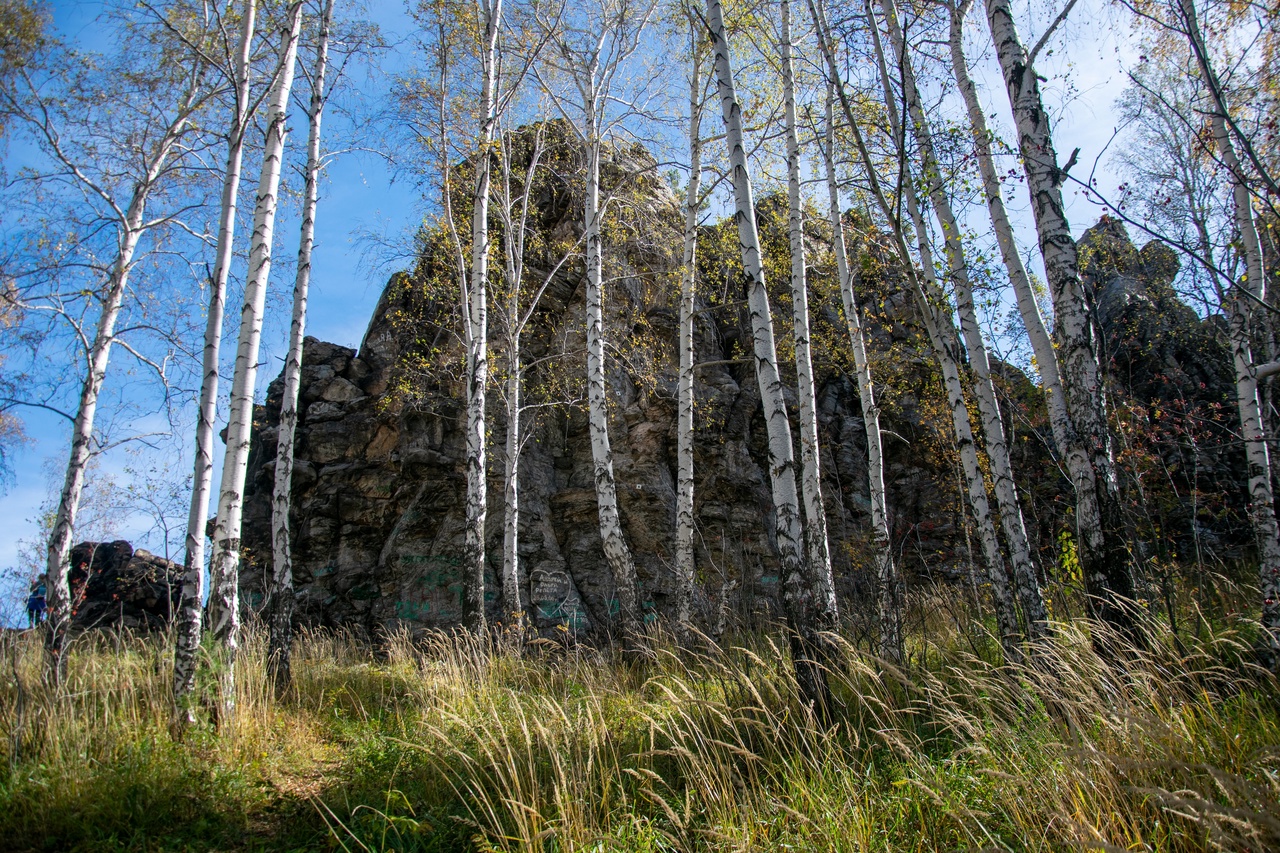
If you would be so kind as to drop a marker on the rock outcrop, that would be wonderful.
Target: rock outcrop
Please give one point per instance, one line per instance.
(379, 489)
(1174, 395)
(114, 586)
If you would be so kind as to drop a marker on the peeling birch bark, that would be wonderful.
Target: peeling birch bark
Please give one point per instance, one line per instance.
(191, 603)
(282, 595)
(797, 596)
(224, 570)
(1015, 532)
(815, 528)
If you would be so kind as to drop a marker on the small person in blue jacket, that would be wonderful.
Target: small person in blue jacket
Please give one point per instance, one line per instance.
(36, 604)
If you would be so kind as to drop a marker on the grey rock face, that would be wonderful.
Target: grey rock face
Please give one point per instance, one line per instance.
(114, 586)
(379, 487)
(1173, 371)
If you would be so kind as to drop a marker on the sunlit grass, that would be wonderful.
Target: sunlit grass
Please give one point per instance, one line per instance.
(448, 743)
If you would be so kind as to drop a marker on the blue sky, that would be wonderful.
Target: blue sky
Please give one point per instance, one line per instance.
(362, 206)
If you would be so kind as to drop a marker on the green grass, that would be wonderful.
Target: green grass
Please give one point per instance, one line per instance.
(443, 745)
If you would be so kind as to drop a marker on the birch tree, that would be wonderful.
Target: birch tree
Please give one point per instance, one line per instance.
(224, 597)
(476, 325)
(516, 194)
(191, 602)
(119, 137)
(457, 117)
(1100, 541)
(686, 578)
(935, 314)
(282, 595)
(1243, 301)
(804, 613)
(1015, 533)
(1064, 435)
(885, 571)
(819, 553)
(592, 53)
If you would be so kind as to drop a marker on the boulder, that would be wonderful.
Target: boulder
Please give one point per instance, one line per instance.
(114, 586)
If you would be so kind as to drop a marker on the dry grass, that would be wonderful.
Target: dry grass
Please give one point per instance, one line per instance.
(448, 744)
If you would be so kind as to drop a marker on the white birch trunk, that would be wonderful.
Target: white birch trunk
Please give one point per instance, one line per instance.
(282, 594)
(190, 608)
(685, 569)
(512, 583)
(891, 588)
(131, 227)
(803, 612)
(819, 551)
(57, 582)
(616, 551)
(513, 599)
(942, 335)
(997, 447)
(516, 229)
(224, 597)
(1103, 551)
(1242, 307)
(1028, 307)
(1065, 437)
(477, 324)
(885, 571)
(1261, 496)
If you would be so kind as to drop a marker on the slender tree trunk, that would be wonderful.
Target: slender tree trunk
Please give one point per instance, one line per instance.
(1261, 496)
(516, 229)
(1103, 551)
(1015, 531)
(616, 551)
(1028, 307)
(131, 227)
(890, 584)
(1244, 298)
(686, 582)
(57, 581)
(946, 346)
(512, 583)
(513, 599)
(282, 595)
(819, 551)
(890, 597)
(1064, 432)
(478, 333)
(803, 611)
(190, 608)
(224, 597)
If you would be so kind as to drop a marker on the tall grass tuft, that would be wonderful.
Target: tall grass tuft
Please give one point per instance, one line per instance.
(448, 742)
